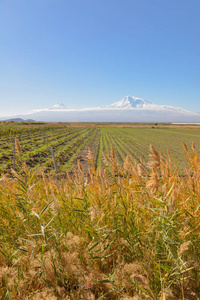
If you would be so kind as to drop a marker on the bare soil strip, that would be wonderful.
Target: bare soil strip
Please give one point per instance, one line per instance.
(93, 144)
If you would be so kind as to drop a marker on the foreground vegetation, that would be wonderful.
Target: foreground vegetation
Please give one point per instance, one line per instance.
(125, 231)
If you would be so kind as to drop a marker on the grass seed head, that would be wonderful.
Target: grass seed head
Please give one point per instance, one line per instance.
(183, 247)
(18, 147)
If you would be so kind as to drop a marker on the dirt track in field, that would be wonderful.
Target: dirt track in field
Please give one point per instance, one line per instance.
(93, 144)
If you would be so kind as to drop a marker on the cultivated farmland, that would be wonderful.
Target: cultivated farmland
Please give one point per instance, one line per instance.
(36, 144)
(70, 142)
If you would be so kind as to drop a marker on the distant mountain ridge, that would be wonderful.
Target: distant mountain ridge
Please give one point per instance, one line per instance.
(128, 109)
(19, 120)
(128, 102)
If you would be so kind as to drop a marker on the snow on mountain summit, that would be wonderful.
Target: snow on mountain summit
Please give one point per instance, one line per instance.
(58, 106)
(129, 102)
(138, 104)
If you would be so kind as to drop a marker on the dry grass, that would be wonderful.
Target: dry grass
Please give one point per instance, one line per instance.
(124, 232)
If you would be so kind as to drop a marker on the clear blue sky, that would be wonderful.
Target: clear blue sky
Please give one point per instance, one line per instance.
(95, 52)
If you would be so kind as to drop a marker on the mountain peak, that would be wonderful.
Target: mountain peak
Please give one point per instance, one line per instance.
(58, 106)
(130, 102)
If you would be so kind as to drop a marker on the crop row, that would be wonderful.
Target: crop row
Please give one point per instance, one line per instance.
(68, 143)
(35, 152)
(135, 142)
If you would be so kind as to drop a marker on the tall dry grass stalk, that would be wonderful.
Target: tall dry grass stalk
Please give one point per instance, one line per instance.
(122, 232)
(18, 147)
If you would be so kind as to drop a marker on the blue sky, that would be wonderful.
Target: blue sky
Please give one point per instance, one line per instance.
(90, 53)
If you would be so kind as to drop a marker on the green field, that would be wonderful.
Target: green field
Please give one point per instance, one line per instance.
(36, 142)
(71, 141)
(135, 142)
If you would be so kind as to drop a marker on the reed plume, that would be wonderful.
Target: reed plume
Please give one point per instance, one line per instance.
(18, 147)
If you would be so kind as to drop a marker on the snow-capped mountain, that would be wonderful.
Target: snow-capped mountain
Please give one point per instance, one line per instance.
(129, 102)
(58, 106)
(129, 109)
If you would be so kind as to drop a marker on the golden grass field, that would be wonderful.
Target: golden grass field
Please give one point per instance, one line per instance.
(127, 231)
